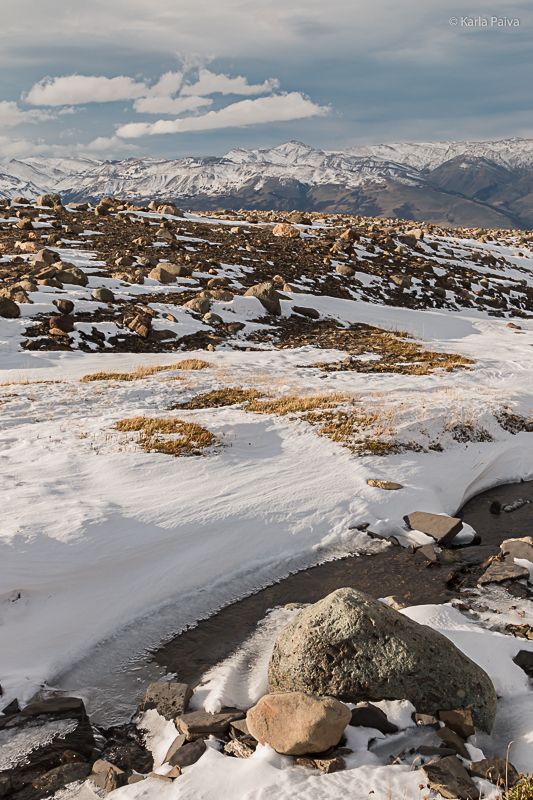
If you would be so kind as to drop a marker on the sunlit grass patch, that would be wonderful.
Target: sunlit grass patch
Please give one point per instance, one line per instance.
(147, 371)
(218, 398)
(171, 436)
(296, 404)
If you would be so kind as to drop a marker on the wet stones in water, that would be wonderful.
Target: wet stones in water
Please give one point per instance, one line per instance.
(453, 741)
(125, 749)
(170, 699)
(61, 776)
(353, 647)
(440, 527)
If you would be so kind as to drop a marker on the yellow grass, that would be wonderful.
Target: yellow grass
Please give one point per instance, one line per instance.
(189, 438)
(296, 404)
(228, 396)
(145, 372)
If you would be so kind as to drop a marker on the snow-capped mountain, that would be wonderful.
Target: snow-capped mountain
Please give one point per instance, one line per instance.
(471, 183)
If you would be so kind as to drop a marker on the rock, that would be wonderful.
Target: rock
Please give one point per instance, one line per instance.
(187, 754)
(453, 741)
(495, 507)
(239, 749)
(459, 720)
(239, 727)
(178, 742)
(304, 311)
(296, 723)
(390, 486)
(524, 659)
(200, 723)
(518, 548)
(72, 275)
(125, 748)
(107, 776)
(496, 770)
(46, 257)
(160, 274)
(48, 200)
(449, 778)
(141, 324)
(345, 269)
(64, 323)
(325, 765)
(8, 308)
(103, 295)
(284, 229)
(176, 270)
(370, 716)
(200, 305)
(429, 553)
(353, 647)
(61, 776)
(267, 295)
(425, 720)
(212, 319)
(170, 699)
(440, 526)
(501, 571)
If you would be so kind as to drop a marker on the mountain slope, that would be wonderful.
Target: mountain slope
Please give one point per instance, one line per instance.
(488, 184)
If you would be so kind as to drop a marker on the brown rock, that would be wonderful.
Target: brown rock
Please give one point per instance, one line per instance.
(200, 723)
(295, 723)
(496, 770)
(8, 308)
(501, 571)
(459, 720)
(518, 548)
(440, 526)
(368, 715)
(187, 754)
(284, 229)
(449, 778)
(453, 741)
(390, 486)
(106, 776)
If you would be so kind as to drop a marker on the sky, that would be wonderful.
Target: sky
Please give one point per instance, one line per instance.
(172, 78)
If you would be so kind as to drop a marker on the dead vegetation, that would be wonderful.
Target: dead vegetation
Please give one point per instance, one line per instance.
(188, 438)
(218, 398)
(368, 349)
(296, 404)
(146, 371)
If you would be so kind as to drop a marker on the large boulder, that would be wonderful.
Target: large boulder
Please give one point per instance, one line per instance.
(355, 648)
(298, 723)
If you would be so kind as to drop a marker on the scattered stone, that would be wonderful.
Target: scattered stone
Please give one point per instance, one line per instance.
(499, 771)
(501, 571)
(48, 200)
(238, 748)
(425, 720)
(8, 308)
(103, 295)
(160, 274)
(459, 720)
(65, 306)
(305, 311)
(284, 229)
(389, 486)
(106, 776)
(524, 659)
(353, 647)
(440, 526)
(370, 716)
(429, 552)
(61, 776)
(326, 765)
(518, 548)
(453, 741)
(295, 723)
(267, 295)
(449, 778)
(495, 507)
(187, 754)
(200, 723)
(170, 699)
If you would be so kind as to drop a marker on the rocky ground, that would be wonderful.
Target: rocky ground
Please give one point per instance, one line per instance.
(196, 406)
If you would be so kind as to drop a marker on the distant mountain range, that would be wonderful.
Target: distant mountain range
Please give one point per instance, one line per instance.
(487, 184)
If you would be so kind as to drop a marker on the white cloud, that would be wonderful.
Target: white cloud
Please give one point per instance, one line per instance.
(101, 147)
(276, 108)
(11, 115)
(107, 146)
(170, 105)
(167, 85)
(212, 83)
(80, 89)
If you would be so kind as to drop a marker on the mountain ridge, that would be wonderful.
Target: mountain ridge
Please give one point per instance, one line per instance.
(476, 183)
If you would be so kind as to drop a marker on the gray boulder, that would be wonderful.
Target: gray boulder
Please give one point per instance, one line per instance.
(355, 648)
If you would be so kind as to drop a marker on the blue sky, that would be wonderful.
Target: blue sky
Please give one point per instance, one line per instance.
(119, 78)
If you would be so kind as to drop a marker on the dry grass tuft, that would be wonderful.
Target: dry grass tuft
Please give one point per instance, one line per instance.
(523, 790)
(218, 398)
(190, 439)
(296, 404)
(145, 372)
